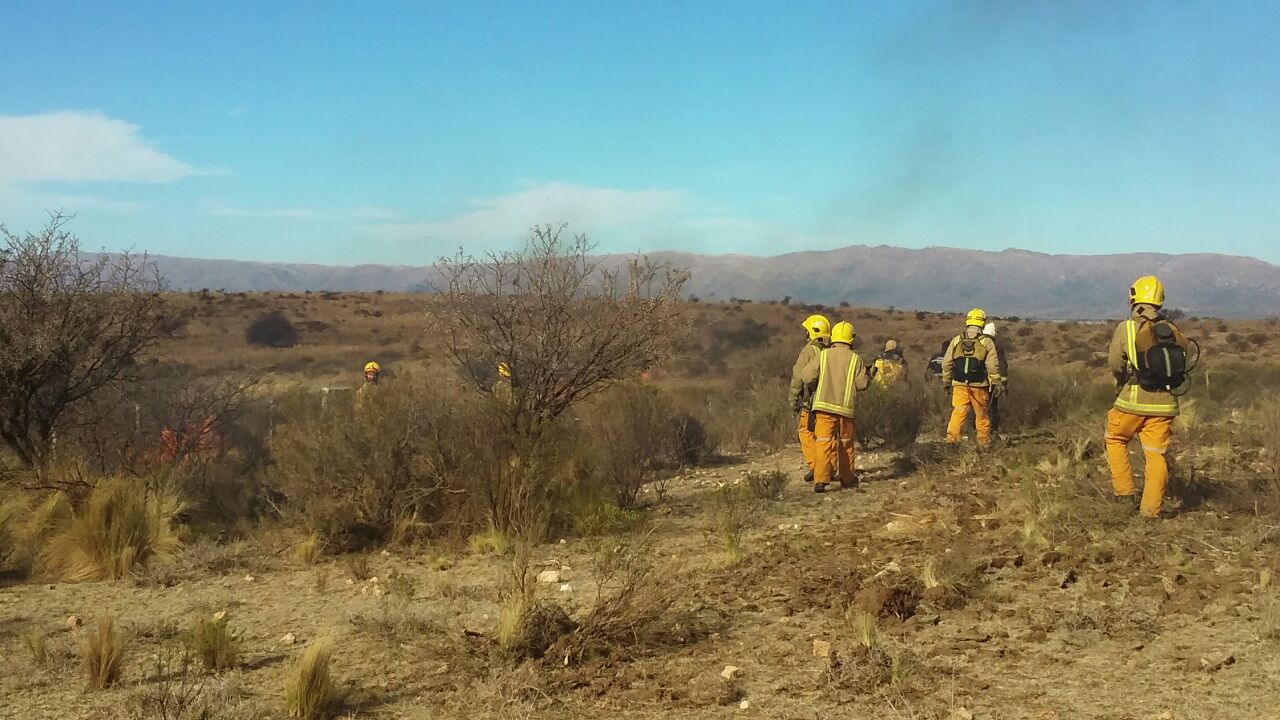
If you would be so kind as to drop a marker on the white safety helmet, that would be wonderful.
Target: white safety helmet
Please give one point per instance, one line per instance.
(989, 329)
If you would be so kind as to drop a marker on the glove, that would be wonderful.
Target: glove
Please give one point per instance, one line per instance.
(997, 390)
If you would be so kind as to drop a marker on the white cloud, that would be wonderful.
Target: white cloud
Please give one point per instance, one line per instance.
(301, 213)
(287, 213)
(585, 208)
(73, 146)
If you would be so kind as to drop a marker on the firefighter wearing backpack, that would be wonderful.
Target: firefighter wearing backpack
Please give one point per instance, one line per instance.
(1148, 356)
(839, 374)
(890, 365)
(971, 370)
(818, 329)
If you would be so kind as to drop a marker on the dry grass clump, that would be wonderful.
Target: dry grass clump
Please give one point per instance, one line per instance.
(172, 690)
(309, 691)
(103, 654)
(731, 513)
(310, 549)
(34, 640)
(213, 643)
(120, 527)
(490, 542)
(767, 484)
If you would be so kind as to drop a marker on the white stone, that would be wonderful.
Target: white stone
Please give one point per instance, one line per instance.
(730, 672)
(744, 705)
(566, 587)
(74, 622)
(549, 576)
(249, 578)
(217, 617)
(288, 639)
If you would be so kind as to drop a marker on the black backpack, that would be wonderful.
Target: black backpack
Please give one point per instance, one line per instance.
(969, 363)
(1162, 360)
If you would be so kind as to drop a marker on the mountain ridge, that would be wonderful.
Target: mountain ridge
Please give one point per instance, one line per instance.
(1009, 282)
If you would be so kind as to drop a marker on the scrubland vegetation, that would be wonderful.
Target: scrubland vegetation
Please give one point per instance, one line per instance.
(203, 533)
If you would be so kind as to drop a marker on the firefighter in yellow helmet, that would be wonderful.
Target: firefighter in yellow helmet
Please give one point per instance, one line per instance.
(970, 369)
(1149, 358)
(503, 388)
(839, 374)
(372, 373)
(890, 365)
(818, 331)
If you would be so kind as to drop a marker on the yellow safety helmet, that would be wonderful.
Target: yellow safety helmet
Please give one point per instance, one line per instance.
(977, 317)
(842, 333)
(817, 326)
(372, 366)
(504, 370)
(1147, 289)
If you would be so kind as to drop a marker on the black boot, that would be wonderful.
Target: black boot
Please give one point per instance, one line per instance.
(808, 476)
(819, 488)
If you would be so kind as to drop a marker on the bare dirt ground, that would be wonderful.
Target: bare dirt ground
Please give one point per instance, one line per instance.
(997, 593)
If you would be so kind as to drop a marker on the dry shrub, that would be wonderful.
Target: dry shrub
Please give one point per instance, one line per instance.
(767, 484)
(893, 416)
(212, 642)
(309, 691)
(636, 434)
(633, 610)
(351, 472)
(173, 690)
(103, 654)
(119, 528)
(732, 511)
(757, 414)
(1038, 397)
(272, 330)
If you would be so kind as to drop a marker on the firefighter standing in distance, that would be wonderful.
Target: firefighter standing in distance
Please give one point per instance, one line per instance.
(971, 373)
(840, 374)
(818, 329)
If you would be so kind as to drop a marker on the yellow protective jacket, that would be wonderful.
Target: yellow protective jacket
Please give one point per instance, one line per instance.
(992, 362)
(1122, 361)
(840, 374)
(801, 391)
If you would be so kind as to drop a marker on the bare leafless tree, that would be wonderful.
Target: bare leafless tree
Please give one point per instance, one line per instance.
(71, 325)
(568, 324)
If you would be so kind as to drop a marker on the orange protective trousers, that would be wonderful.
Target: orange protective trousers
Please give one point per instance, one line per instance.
(963, 398)
(1154, 433)
(833, 457)
(808, 445)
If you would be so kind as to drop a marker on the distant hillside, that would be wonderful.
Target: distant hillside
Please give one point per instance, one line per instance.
(1012, 282)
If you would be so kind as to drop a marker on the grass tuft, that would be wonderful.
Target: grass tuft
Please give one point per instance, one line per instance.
(309, 691)
(490, 542)
(103, 654)
(767, 484)
(309, 550)
(120, 527)
(212, 641)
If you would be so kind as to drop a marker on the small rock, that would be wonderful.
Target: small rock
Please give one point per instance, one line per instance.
(549, 576)
(744, 705)
(288, 639)
(1166, 715)
(730, 672)
(962, 713)
(562, 541)
(351, 581)
(566, 587)
(249, 578)
(784, 526)
(74, 621)
(218, 616)
(828, 544)
(821, 648)
(386, 553)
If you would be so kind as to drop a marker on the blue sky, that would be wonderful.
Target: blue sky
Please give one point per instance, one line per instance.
(397, 132)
